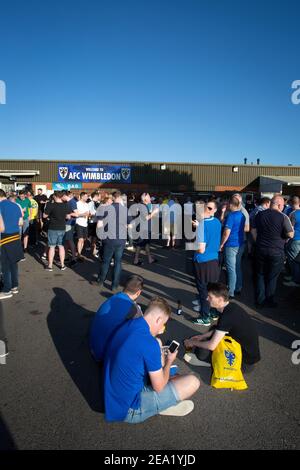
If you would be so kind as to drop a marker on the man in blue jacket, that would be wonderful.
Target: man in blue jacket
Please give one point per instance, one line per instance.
(113, 313)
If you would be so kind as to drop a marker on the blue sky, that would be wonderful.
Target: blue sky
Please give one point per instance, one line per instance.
(158, 80)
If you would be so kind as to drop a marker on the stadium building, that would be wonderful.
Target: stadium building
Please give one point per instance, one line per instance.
(159, 178)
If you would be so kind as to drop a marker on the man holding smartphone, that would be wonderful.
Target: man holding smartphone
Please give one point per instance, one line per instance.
(136, 384)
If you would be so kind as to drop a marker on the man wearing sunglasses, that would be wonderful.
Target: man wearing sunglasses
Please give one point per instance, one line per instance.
(206, 261)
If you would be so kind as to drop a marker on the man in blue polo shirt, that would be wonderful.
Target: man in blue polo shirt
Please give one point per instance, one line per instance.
(132, 359)
(112, 313)
(206, 261)
(10, 243)
(233, 243)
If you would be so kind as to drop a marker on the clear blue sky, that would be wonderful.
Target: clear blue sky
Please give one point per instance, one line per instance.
(155, 80)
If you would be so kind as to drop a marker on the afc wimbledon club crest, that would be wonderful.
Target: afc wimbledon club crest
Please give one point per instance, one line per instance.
(63, 171)
(230, 357)
(125, 172)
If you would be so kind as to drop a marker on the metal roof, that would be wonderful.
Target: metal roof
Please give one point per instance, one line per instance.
(289, 180)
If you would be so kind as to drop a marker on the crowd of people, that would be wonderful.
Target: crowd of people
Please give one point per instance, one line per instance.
(140, 378)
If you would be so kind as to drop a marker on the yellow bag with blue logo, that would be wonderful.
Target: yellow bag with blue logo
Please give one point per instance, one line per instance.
(227, 363)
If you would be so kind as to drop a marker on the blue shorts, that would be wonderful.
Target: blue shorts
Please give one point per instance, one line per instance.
(55, 237)
(69, 233)
(153, 403)
(25, 227)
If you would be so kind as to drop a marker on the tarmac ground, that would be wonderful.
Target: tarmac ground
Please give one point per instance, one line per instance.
(50, 390)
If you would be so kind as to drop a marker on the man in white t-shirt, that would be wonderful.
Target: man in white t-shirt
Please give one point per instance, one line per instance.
(82, 222)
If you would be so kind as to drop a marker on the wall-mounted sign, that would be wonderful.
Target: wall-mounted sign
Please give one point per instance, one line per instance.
(66, 186)
(95, 173)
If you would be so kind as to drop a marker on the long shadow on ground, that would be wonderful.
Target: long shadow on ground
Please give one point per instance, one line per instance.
(69, 325)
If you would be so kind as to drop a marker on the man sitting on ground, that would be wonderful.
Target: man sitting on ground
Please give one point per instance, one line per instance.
(134, 357)
(112, 313)
(233, 321)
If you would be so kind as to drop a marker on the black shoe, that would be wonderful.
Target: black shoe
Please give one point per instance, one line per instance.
(231, 297)
(237, 292)
(259, 305)
(96, 283)
(271, 304)
(73, 262)
(139, 263)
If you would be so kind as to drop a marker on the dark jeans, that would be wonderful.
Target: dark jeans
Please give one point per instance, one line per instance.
(203, 303)
(33, 231)
(268, 268)
(9, 272)
(203, 354)
(110, 251)
(292, 251)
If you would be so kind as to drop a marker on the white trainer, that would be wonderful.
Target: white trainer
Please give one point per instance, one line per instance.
(195, 302)
(5, 295)
(193, 360)
(182, 408)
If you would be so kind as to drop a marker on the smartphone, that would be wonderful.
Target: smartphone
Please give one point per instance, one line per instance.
(173, 346)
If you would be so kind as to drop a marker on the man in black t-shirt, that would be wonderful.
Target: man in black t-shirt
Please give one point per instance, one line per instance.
(58, 213)
(270, 230)
(233, 321)
(41, 199)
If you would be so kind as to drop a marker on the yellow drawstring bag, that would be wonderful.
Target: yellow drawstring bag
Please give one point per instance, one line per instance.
(226, 363)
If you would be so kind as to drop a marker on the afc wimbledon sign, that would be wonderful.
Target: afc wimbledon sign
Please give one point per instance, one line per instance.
(94, 174)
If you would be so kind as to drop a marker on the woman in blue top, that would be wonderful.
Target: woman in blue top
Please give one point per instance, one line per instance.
(233, 245)
(206, 261)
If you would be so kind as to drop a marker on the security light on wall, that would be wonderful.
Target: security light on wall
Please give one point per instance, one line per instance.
(163, 167)
(235, 169)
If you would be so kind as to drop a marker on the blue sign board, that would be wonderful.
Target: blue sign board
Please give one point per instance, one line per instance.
(94, 173)
(67, 186)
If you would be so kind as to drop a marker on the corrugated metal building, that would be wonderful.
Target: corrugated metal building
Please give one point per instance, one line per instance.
(156, 177)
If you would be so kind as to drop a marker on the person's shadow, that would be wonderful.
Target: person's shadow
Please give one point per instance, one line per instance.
(69, 326)
(6, 439)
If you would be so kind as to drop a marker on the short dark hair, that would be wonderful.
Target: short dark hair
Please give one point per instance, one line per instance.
(133, 284)
(58, 194)
(22, 192)
(40, 189)
(2, 193)
(213, 201)
(82, 194)
(219, 290)
(117, 194)
(161, 303)
(265, 200)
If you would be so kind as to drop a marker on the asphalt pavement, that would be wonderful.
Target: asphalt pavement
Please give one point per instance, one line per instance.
(50, 391)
